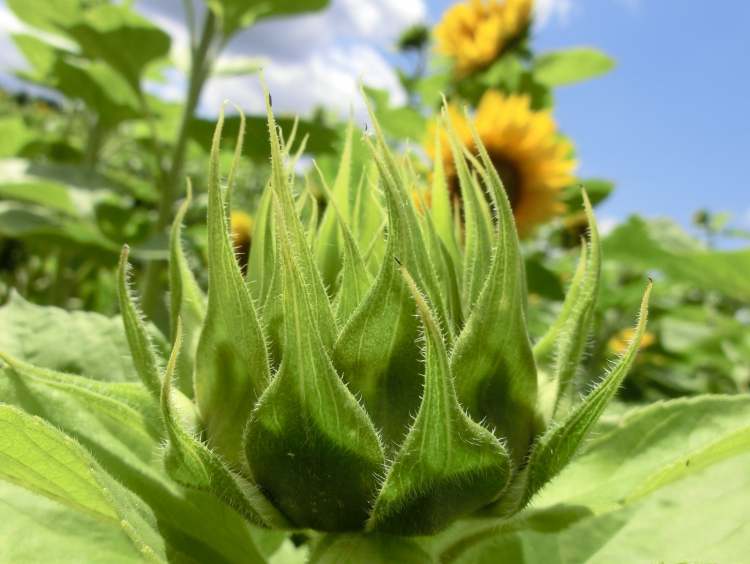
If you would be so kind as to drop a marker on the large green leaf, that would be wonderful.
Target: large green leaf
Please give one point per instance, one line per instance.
(100, 86)
(70, 190)
(118, 36)
(14, 135)
(46, 14)
(236, 14)
(40, 458)
(18, 221)
(121, 425)
(32, 333)
(669, 484)
(399, 122)
(663, 247)
(559, 68)
(25, 520)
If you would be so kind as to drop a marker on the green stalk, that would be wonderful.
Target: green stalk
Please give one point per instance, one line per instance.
(200, 67)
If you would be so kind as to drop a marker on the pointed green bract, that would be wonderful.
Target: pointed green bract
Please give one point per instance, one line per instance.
(377, 351)
(575, 331)
(261, 259)
(442, 210)
(292, 227)
(309, 444)
(544, 346)
(477, 231)
(231, 366)
(558, 445)
(144, 357)
(448, 465)
(496, 377)
(328, 245)
(447, 272)
(355, 278)
(187, 299)
(192, 464)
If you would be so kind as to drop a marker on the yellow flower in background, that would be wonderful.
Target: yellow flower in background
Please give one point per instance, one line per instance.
(619, 342)
(533, 160)
(475, 32)
(242, 232)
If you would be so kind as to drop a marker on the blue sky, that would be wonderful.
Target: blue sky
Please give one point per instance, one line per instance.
(671, 123)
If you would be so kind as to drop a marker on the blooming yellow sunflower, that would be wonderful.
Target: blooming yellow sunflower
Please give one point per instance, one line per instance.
(475, 32)
(533, 160)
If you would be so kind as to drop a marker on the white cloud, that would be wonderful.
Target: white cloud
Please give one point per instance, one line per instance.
(548, 10)
(10, 58)
(309, 60)
(746, 219)
(607, 224)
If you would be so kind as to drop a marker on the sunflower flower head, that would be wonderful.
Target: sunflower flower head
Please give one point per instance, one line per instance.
(533, 160)
(475, 32)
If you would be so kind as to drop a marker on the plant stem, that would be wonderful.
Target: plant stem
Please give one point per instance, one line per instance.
(200, 67)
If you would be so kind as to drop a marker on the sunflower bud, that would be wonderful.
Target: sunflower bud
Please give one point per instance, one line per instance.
(401, 397)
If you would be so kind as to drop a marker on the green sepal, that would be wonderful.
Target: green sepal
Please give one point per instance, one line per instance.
(496, 376)
(575, 331)
(328, 245)
(281, 186)
(309, 444)
(190, 463)
(398, 179)
(559, 444)
(549, 385)
(441, 208)
(355, 279)
(377, 352)
(478, 236)
(187, 300)
(546, 344)
(232, 366)
(261, 259)
(447, 271)
(448, 465)
(145, 359)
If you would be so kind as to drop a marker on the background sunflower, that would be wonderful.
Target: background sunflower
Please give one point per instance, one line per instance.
(534, 161)
(475, 32)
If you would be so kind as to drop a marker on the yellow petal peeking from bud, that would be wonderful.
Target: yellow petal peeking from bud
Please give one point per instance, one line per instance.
(475, 32)
(533, 160)
(619, 342)
(242, 233)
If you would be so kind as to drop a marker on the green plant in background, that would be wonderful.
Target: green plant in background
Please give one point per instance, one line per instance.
(402, 414)
(105, 164)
